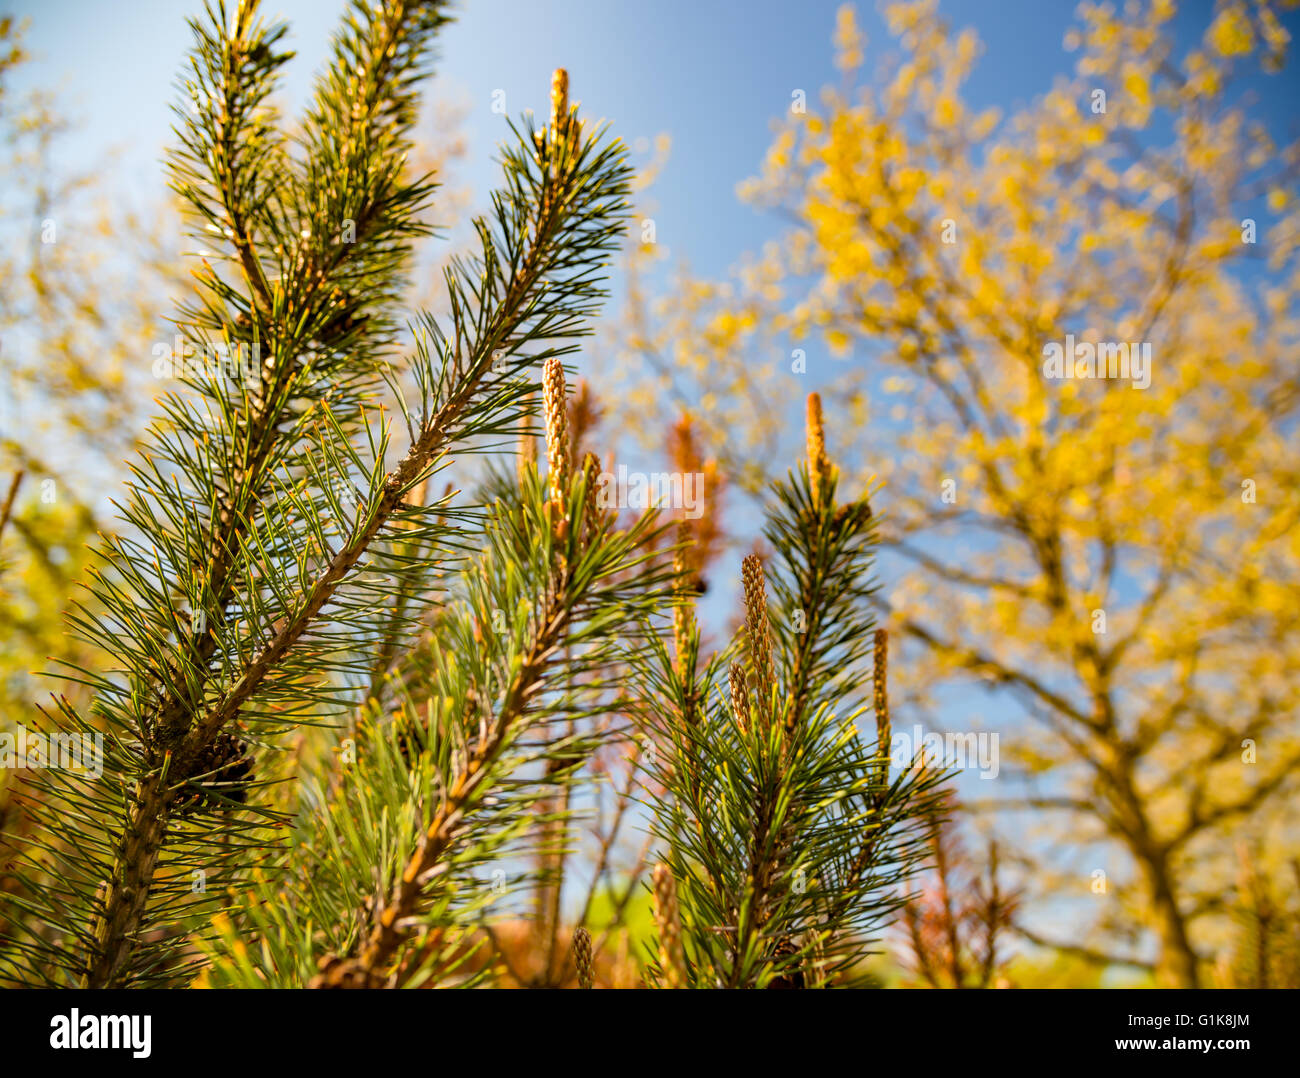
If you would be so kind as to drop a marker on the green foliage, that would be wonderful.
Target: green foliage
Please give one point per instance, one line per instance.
(785, 835)
(445, 795)
(279, 571)
(265, 527)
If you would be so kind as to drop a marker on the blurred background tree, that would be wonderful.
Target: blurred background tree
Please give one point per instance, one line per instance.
(78, 281)
(1117, 567)
(955, 928)
(79, 278)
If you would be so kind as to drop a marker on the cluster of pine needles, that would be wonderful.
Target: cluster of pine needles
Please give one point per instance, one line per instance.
(347, 725)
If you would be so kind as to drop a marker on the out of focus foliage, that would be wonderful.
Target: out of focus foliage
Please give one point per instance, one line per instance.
(1118, 566)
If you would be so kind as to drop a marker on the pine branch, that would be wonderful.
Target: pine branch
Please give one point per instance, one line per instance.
(483, 758)
(240, 69)
(783, 832)
(6, 508)
(449, 822)
(237, 509)
(536, 281)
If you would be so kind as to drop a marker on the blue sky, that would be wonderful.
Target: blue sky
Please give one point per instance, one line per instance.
(709, 73)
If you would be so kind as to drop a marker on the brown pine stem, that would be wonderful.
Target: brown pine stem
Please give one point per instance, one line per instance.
(672, 960)
(880, 699)
(392, 929)
(7, 509)
(582, 957)
(559, 459)
(758, 634)
(128, 889)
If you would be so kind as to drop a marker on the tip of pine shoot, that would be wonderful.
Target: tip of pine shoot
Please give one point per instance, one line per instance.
(559, 96)
(555, 407)
(819, 466)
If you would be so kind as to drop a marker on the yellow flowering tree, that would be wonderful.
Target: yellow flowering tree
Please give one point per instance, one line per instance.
(1070, 336)
(79, 277)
